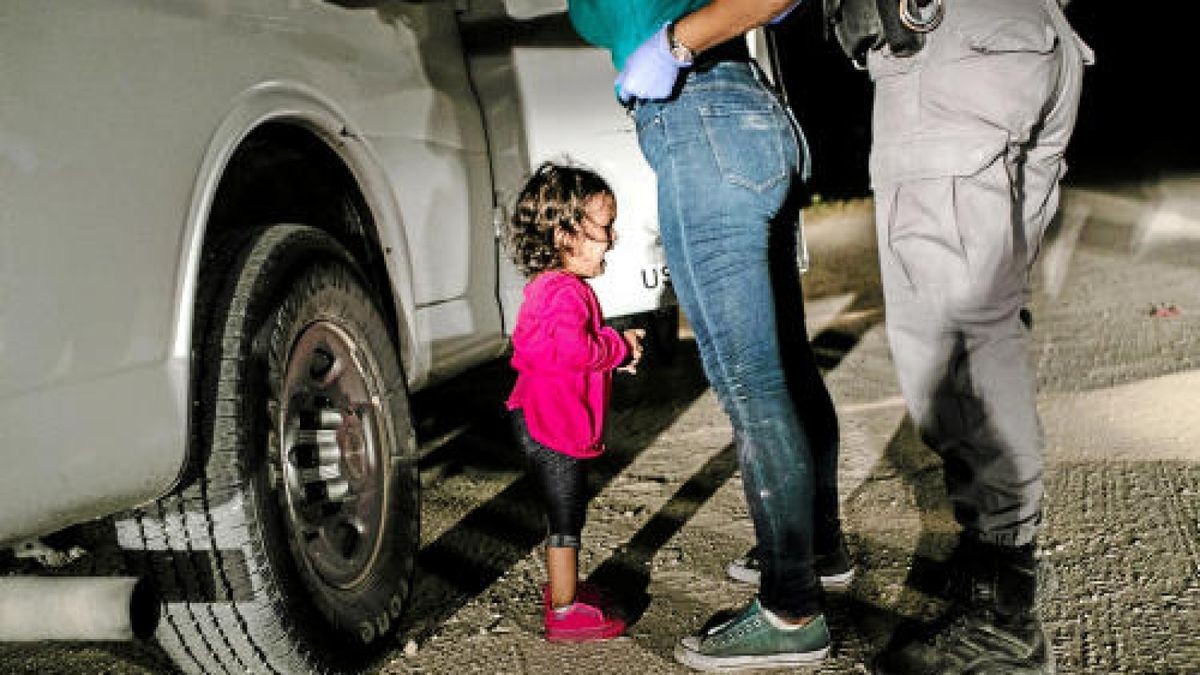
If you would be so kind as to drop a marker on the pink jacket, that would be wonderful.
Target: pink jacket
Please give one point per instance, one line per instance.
(564, 359)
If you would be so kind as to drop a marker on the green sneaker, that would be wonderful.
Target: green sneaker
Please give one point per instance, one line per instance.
(749, 641)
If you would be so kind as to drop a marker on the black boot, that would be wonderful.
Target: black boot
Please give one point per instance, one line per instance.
(992, 626)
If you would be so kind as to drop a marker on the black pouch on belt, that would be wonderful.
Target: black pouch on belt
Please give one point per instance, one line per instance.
(863, 25)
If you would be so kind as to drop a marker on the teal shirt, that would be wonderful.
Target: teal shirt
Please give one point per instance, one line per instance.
(620, 26)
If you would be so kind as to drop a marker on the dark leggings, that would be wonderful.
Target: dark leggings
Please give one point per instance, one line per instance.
(564, 486)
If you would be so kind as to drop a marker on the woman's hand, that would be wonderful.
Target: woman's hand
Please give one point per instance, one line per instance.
(650, 71)
(784, 14)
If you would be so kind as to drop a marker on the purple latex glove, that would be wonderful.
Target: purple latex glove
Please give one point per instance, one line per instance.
(783, 15)
(650, 71)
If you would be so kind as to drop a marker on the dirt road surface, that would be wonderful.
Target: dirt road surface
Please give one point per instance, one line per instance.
(1119, 374)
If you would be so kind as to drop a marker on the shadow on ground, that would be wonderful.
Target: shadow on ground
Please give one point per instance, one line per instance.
(470, 556)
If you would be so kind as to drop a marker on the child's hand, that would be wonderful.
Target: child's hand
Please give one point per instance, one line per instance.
(633, 338)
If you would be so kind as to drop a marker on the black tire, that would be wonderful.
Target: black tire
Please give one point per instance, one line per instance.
(662, 334)
(289, 546)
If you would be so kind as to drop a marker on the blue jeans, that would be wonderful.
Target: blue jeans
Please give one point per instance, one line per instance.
(727, 158)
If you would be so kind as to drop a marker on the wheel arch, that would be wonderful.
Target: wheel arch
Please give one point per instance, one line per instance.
(284, 118)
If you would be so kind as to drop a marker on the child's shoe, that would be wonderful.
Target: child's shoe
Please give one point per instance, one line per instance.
(581, 622)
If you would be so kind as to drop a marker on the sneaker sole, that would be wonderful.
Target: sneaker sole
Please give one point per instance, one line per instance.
(689, 656)
(582, 636)
(832, 582)
(742, 574)
(838, 582)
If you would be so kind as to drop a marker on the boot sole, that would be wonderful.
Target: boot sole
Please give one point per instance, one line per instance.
(1049, 668)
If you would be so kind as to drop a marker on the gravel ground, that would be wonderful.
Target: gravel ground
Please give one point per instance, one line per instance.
(1117, 385)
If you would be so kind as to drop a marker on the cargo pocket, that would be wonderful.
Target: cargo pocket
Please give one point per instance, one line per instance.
(748, 145)
(916, 184)
(999, 35)
(933, 157)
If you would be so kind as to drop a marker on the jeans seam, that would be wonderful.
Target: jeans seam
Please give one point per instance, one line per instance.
(685, 252)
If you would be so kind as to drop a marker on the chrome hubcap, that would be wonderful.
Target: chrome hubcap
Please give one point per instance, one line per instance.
(333, 455)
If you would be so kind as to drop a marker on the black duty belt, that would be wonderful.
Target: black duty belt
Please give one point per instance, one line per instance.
(730, 50)
(863, 25)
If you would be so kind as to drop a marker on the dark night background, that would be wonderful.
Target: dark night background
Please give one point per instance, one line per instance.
(1135, 122)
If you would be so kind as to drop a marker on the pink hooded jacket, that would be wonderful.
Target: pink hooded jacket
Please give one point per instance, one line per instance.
(564, 359)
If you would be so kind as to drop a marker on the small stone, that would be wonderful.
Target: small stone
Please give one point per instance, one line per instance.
(410, 648)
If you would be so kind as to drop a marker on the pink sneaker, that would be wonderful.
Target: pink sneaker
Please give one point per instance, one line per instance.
(581, 622)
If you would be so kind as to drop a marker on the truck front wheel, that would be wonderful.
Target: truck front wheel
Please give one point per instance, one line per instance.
(289, 546)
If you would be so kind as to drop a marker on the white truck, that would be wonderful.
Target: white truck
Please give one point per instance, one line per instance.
(235, 235)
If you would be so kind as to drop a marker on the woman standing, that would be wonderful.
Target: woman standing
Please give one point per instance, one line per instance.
(727, 156)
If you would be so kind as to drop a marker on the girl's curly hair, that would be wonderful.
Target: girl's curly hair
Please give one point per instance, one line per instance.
(553, 200)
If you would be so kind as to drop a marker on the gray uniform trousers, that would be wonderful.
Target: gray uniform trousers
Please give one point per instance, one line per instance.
(969, 136)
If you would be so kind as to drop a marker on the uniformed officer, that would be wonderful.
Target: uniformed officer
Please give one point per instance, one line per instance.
(975, 101)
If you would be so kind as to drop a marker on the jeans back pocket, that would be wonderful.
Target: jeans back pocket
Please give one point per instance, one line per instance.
(748, 144)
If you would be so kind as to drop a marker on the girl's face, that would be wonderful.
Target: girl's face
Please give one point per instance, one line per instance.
(584, 252)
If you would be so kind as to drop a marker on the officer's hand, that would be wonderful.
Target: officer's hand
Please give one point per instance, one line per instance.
(650, 71)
